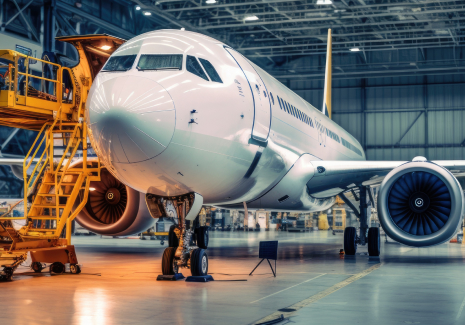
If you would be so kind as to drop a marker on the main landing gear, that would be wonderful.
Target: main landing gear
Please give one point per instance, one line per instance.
(370, 236)
(187, 242)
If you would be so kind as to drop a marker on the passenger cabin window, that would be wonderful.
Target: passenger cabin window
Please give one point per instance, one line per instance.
(120, 63)
(214, 76)
(193, 66)
(160, 62)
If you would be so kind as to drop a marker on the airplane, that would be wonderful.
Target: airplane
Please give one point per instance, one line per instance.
(181, 120)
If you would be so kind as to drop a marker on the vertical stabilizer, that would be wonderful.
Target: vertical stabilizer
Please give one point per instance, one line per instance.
(328, 72)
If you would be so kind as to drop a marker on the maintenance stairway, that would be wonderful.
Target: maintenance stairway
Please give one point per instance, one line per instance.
(51, 101)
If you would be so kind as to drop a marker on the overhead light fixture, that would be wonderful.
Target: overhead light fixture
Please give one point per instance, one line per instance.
(91, 189)
(250, 18)
(137, 7)
(210, 1)
(355, 49)
(105, 47)
(148, 13)
(324, 2)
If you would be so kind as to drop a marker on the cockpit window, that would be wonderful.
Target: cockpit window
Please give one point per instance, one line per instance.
(160, 62)
(193, 66)
(214, 76)
(120, 63)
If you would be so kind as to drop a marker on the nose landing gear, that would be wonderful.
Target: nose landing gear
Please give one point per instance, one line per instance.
(185, 250)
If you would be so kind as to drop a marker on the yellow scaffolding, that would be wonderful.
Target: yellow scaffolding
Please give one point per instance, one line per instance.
(44, 102)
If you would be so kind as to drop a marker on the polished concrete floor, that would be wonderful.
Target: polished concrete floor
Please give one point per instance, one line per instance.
(315, 285)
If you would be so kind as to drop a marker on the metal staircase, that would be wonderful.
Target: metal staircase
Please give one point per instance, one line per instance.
(52, 184)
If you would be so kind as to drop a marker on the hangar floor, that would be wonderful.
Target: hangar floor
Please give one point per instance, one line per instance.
(118, 285)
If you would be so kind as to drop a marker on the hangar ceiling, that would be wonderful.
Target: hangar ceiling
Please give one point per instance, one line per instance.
(398, 65)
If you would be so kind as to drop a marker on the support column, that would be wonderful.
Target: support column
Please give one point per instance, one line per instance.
(49, 25)
(363, 215)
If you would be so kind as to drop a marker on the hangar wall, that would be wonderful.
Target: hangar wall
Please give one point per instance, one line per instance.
(398, 118)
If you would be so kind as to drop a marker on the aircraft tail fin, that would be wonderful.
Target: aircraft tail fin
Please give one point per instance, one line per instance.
(328, 72)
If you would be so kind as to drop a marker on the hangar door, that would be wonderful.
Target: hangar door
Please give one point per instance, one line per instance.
(262, 106)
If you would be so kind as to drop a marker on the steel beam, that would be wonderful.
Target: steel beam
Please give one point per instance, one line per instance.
(408, 129)
(325, 19)
(113, 28)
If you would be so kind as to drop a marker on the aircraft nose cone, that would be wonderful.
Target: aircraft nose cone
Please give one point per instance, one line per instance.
(131, 118)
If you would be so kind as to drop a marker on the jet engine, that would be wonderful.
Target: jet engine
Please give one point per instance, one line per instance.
(420, 204)
(114, 209)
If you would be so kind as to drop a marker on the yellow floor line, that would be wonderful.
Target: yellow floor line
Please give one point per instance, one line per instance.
(295, 307)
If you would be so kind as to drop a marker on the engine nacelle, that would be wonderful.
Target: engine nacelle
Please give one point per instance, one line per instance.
(420, 204)
(113, 209)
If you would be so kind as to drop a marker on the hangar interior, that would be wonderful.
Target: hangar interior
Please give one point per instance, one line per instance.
(398, 87)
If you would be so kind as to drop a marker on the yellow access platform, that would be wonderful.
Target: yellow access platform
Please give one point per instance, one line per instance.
(44, 96)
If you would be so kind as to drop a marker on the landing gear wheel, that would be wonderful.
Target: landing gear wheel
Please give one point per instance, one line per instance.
(374, 241)
(202, 237)
(75, 269)
(199, 262)
(350, 241)
(173, 240)
(6, 274)
(37, 267)
(168, 263)
(57, 268)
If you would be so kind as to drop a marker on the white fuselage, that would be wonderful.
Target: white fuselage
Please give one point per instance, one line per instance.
(170, 132)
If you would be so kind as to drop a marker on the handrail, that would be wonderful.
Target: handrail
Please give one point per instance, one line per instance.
(2, 217)
(37, 77)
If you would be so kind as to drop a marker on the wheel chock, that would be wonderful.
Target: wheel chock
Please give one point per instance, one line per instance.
(200, 278)
(174, 277)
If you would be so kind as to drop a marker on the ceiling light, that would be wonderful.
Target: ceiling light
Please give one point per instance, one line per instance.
(210, 1)
(355, 49)
(137, 7)
(91, 189)
(147, 13)
(324, 2)
(105, 47)
(250, 18)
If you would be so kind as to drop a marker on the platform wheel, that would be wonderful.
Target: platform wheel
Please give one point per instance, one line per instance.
(168, 262)
(199, 262)
(6, 274)
(37, 267)
(57, 268)
(350, 241)
(173, 240)
(374, 241)
(202, 237)
(74, 269)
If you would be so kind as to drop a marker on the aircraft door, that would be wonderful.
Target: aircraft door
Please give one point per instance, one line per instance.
(261, 99)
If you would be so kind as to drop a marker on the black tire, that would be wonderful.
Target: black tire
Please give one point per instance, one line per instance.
(173, 240)
(167, 261)
(350, 241)
(37, 267)
(374, 241)
(57, 268)
(202, 237)
(199, 262)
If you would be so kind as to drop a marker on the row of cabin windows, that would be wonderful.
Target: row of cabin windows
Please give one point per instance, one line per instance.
(164, 62)
(308, 120)
(332, 135)
(350, 146)
(294, 111)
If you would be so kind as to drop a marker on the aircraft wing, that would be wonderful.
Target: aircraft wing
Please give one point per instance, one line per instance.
(333, 177)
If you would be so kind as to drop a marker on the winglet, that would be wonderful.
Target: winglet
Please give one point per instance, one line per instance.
(328, 72)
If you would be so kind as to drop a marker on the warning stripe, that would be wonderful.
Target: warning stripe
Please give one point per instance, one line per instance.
(295, 307)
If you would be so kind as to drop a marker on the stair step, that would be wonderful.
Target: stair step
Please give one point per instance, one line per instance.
(42, 217)
(53, 195)
(47, 206)
(62, 183)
